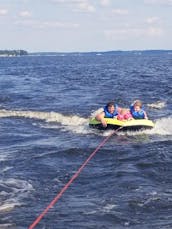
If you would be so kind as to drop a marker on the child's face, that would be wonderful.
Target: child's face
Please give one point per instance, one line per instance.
(137, 108)
(124, 111)
(111, 109)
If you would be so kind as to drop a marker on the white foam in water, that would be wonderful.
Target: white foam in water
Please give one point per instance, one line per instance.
(8, 207)
(6, 225)
(109, 207)
(80, 125)
(163, 126)
(94, 113)
(157, 105)
(6, 169)
(3, 157)
(73, 123)
(14, 191)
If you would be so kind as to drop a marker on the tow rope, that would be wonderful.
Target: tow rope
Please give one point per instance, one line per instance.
(52, 203)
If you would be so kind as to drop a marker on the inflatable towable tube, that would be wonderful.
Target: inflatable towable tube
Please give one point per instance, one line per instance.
(130, 125)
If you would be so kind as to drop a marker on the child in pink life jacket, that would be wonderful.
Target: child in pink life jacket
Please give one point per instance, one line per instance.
(124, 114)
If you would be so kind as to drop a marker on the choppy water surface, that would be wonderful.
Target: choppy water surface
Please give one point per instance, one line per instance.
(45, 105)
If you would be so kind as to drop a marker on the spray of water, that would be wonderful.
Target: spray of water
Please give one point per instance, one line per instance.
(79, 124)
(157, 105)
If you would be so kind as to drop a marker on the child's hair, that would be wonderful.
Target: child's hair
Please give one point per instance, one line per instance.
(124, 111)
(110, 104)
(137, 103)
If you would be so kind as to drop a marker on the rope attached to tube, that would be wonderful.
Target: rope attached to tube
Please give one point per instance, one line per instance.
(52, 203)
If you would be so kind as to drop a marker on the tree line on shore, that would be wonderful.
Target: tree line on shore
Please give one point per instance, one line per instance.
(13, 52)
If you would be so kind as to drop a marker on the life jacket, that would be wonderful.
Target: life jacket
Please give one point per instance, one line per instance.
(108, 114)
(137, 114)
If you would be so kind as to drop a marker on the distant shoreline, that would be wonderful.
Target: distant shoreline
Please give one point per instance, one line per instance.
(14, 53)
(99, 53)
(11, 53)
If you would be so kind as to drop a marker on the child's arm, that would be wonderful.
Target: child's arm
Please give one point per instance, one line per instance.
(100, 117)
(146, 117)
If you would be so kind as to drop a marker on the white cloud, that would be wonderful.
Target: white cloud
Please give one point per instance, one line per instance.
(119, 34)
(115, 34)
(25, 13)
(3, 12)
(154, 32)
(162, 2)
(77, 5)
(58, 1)
(57, 24)
(120, 11)
(70, 1)
(124, 34)
(152, 20)
(105, 2)
(27, 23)
(85, 6)
(47, 24)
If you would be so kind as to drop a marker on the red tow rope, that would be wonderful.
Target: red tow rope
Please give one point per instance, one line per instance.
(38, 219)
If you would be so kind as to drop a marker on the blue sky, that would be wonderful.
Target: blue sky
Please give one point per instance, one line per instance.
(85, 25)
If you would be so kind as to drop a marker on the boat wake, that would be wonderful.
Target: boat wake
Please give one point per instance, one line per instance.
(15, 191)
(157, 105)
(79, 124)
(163, 126)
(55, 120)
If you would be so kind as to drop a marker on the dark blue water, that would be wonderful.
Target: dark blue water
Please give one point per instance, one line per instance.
(45, 106)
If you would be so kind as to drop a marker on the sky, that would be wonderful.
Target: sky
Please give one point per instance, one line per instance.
(85, 25)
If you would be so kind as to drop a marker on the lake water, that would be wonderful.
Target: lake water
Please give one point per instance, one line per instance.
(45, 106)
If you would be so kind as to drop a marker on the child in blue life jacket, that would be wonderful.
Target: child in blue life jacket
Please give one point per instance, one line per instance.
(137, 111)
(111, 110)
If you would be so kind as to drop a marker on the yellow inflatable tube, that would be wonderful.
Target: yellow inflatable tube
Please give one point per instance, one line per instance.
(113, 123)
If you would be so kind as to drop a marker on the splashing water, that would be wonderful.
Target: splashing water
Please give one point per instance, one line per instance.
(157, 105)
(163, 126)
(14, 190)
(72, 123)
(94, 113)
(80, 125)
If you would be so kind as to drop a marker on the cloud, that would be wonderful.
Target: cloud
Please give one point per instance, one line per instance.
(59, 1)
(121, 34)
(120, 11)
(77, 5)
(153, 20)
(27, 23)
(25, 13)
(161, 2)
(3, 12)
(105, 2)
(46, 24)
(57, 24)
(154, 32)
(124, 34)
(85, 6)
